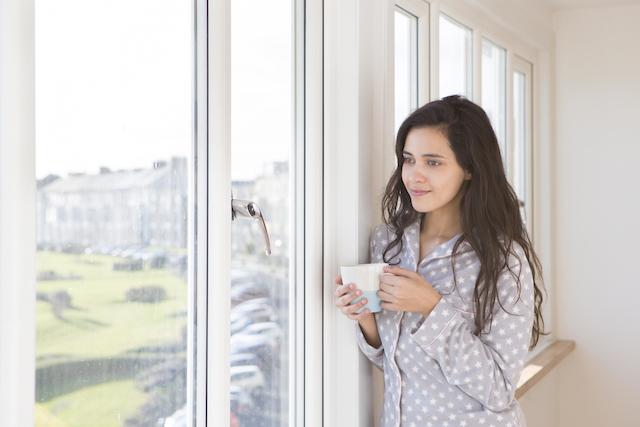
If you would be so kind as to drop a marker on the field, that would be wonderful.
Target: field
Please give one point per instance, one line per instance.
(99, 325)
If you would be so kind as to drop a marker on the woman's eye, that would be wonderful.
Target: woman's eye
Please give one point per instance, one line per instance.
(429, 162)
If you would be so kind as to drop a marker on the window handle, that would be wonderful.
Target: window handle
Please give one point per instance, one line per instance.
(250, 210)
(523, 210)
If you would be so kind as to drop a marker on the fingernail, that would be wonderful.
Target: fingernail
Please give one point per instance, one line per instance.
(351, 286)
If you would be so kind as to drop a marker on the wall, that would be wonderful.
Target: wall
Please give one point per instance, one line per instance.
(597, 208)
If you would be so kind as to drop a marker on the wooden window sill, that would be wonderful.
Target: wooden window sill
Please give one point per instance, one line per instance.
(540, 365)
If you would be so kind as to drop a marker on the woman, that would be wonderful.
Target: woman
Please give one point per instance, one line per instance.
(461, 306)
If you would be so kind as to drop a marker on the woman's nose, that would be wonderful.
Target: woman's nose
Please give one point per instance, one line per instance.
(417, 177)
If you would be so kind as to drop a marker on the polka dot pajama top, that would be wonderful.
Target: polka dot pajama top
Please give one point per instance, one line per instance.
(437, 373)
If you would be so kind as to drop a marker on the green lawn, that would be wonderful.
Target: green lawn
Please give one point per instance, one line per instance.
(102, 325)
(103, 405)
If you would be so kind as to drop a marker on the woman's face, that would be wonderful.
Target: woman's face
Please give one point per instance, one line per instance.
(429, 165)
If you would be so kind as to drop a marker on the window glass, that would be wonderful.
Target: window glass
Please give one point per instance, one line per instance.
(114, 138)
(456, 58)
(494, 86)
(405, 65)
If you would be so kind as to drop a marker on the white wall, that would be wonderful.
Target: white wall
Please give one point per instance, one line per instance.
(597, 212)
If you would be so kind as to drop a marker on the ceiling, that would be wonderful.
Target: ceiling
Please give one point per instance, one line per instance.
(575, 4)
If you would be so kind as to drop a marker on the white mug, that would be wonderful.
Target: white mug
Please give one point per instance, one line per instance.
(367, 278)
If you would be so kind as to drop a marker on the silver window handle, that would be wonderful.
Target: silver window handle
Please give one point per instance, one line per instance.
(524, 211)
(250, 210)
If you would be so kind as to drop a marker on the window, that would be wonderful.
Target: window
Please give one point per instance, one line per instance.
(522, 177)
(405, 65)
(114, 138)
(494, 86)
(116, 157)
(262, 149)
(455, 58)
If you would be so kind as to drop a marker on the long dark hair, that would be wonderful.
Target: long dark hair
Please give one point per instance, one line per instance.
(489, 207)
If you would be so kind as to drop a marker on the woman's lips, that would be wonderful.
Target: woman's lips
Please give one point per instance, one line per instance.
(419, 193)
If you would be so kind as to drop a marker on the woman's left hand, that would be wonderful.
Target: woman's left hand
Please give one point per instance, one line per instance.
(405, 290)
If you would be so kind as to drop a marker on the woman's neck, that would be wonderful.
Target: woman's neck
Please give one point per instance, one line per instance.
(436, 225)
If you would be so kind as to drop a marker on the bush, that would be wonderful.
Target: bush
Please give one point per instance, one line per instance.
(165, 384)
(128, 265)
(146, 294)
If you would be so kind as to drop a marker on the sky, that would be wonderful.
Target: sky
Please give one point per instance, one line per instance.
(114, 84)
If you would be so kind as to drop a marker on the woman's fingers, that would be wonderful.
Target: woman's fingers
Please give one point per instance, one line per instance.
(353, 308)
(345, 294)
(360, 315)
(351, 289)
(385, 296)
(346, 299)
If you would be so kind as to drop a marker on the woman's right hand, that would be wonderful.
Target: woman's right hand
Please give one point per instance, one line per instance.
(347, 293)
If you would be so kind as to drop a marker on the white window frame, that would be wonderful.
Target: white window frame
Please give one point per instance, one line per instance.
(306, 272)
(507, 129)
(476, 53)
(419, 9)
(522, 66)
(17, 213)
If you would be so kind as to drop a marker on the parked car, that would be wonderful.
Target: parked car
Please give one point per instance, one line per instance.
(243, 359)
(246, 291)
(177, 419)
(270, 329)
(262, 347)
(262, 301)
(249, 378)
(253, 311)
(242, 322)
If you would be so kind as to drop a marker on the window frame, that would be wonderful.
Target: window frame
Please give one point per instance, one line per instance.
(425, 73)
(507, 136)
(526, 68)
(17, 213)
(471, 79)
(306, 382)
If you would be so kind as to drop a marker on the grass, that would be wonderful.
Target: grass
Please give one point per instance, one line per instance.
(103, 405)
(101, 325)
(44, 418)
(104, 324)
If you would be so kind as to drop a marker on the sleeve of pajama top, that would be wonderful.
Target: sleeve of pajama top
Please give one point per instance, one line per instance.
(375, 355)
(487, 368)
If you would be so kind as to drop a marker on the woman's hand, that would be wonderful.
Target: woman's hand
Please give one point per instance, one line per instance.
(347, 293)
(405, 290)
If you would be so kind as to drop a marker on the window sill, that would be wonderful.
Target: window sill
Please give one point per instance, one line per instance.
(542, 364)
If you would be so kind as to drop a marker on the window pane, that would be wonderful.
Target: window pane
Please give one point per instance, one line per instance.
(494, 86)
(262, 141)
(114, 144)
(405, 65)
(520, 135)
(456, 60)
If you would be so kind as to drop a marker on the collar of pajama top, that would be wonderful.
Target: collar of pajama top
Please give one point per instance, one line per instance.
(435, 266)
